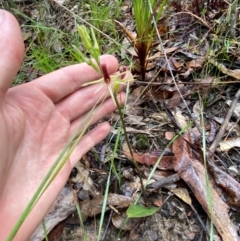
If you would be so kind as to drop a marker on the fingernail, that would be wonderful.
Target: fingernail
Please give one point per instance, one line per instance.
(1, 15)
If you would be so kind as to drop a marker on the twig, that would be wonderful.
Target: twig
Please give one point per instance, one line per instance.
(223, 127)
(102, 153)
(164, 181)
(108, 223)
(195, 16)
(199, 219)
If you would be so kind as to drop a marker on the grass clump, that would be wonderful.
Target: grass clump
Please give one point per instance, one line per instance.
(146, 31)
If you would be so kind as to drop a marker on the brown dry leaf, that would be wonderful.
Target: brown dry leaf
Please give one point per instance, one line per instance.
(163, 65)
(136, 131)
(138, 92)
(134, 120)
(197, 111)
(207, 81)
(176, 98)
(150, 159)
(226, 145)
(160, 95)
(227, 183)
(196, 63)
(187, 73)
(156, 56)
(180, 19)
(162, 29)
(234, 73)
(119, 221)
(84, 178)
(177, 64)
(181, 120)
(160, 116)
(167, 50)
(90, 208)
(183, 194)
(56, 232)
(193, 173)
(131, 188)
(160, 54)
(158, 202)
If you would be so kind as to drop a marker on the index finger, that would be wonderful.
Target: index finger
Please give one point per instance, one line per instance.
(65, 81)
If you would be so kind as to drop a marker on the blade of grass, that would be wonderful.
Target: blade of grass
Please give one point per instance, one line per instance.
(104, 205)
(112, 169)
(45, 230)
(204, 151)
(81, 221)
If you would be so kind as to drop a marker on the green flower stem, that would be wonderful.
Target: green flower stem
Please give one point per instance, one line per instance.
(129, 146)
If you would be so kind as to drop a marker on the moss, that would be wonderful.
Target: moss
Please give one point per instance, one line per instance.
(142, 142)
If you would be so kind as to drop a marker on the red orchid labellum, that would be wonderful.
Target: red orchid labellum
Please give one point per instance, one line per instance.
(105, 73)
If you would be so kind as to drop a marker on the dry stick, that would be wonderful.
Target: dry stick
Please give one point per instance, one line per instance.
(195, 16)
(223, 127)
(164, 181)
(108, 223)
(186, 83)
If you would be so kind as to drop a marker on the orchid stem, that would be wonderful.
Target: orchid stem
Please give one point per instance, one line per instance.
(129, 146)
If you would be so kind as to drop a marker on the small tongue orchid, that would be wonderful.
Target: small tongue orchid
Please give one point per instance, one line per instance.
(92, 48)
(113, 82)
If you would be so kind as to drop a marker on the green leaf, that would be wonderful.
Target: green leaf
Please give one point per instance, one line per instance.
(139, 211)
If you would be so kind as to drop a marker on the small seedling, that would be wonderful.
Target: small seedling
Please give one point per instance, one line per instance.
(139, 211)
(146, 31)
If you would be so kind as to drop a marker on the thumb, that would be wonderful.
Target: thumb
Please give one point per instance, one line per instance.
(11, 50)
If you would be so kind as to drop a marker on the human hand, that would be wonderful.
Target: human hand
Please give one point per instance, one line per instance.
(36, 121)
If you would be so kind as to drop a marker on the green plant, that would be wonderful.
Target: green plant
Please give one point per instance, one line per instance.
(101, 14)
(48, 47)
(146, 31)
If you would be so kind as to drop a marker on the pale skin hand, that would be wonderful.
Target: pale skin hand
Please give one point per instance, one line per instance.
(36, 121)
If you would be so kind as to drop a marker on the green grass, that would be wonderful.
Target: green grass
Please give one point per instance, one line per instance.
(146, 31)
(49, 46)
(101, 15)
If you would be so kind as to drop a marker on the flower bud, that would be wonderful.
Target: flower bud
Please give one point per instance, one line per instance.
(84, 35)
